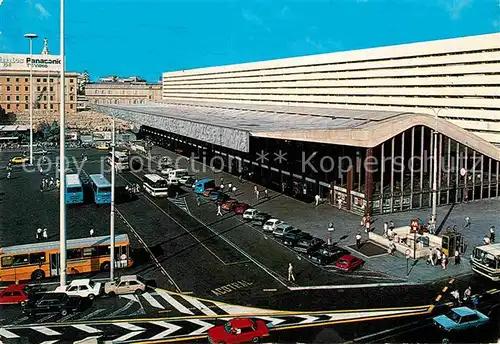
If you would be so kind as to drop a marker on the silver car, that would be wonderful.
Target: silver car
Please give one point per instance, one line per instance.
(282, 229)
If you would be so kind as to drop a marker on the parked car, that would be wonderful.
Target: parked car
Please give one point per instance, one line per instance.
(82, 287)
(208, 191)
(349, 262)
(14, 294)
(53, 303)
(250, 213)
(128, 284)
(326, 256)
(260, 218)
(187, 180)
(282, 229)
(460, 318)
(240, 208)
(229, 204)
(290, 238)
(239, 330)
(308, 244)
(18, 160)
(271, 225)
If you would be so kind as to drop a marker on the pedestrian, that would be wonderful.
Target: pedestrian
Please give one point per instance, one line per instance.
(316, 199)
(431, 256)
(45, 234)
(358, 240)
(457, 257)
(9, 170)
(291, 277)
(266, 193)
(467, 294)
(221, 180)
(367, 225)
(391, 225)
(219, 213)
(234, 189)
(39, 234)
(229, 187)
(41, 171)
(57, 183)
(456, 297)
(392, 248)
(283, 187)
(255, 189)
(486, 240)
(363, 221)
(386, 229)
(222, 187)
(198, 200)
(439, 256)
(467, 223)
(492, 234)
(240, 178)
(443, 261)
(91, 232)
(257, 193)
(41, 185)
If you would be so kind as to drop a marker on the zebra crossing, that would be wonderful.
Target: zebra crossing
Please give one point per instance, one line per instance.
(181, 203)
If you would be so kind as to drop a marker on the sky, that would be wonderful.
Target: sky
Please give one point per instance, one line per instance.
(148, 37)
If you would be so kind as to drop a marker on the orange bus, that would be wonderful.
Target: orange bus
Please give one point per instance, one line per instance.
(40, 260)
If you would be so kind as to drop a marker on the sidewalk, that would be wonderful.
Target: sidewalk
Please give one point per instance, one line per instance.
(315, 220)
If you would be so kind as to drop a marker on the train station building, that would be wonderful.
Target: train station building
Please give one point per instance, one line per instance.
(359, 128)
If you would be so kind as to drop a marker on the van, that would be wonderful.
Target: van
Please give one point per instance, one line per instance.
(203, 184)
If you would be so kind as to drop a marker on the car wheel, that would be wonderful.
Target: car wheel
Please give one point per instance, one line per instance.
(64, 312)
(91, 297)
(255, 339)
(105, 266)
(138, 291)
(22, 303)
(38, 275)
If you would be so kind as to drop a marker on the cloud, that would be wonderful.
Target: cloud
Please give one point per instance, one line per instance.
(1, 2)
(455, 7)
(43, 12)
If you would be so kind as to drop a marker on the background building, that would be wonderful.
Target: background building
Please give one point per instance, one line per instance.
(114, 90)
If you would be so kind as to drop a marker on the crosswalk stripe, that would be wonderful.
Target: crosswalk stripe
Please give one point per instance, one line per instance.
(129, 326)
(49, 342)
(152, 301)
(199, 305)
(126, 337)
(87, 329)
(7, 334)
(173, 302)
(45, 330)
(170, 328)
(204, 327)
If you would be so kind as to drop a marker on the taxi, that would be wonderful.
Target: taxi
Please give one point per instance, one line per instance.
(101, 147)
(18, 160)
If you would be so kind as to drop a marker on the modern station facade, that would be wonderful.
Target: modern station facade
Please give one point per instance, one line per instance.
(359, 128)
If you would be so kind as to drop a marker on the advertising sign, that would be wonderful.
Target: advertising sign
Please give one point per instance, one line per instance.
(414, 225)
(101, 135)
(22, 62)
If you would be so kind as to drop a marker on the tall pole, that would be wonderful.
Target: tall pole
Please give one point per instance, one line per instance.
(31, 101)
(62, 160)
(112, 215)
(435, 174)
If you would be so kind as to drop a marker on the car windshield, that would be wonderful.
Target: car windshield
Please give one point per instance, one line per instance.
(140, 279)
(269, 223)
(453, 316)
(91, 284)
(228, 327)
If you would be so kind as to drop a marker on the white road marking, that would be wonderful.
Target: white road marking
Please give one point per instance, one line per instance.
(88, 340)
(126, 336)
(353, 286)
(45, 330)
(173, 302)
(50, 341)
(129, 297)
(195, 302)
(7, 334)
(170, 328)
(308, 319)
(94, 313)
(124, 308)
(152, 301)
(129, 326)
(87, 328)
(273, 321)
(47, 317)
(203, 329)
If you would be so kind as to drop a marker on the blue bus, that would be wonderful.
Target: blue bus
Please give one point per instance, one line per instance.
(201, 185)
(102, 188)
(73, 189)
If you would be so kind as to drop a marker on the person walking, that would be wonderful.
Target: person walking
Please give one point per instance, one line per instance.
(457, 257)
(283, 187)
(266, 193)
(291, 277)
(9, 171)
(391, 225)
(467, 294)
(367, 225)
(221, 180)
(456, 297)
(492, 234)
(233, 189)
(486, 240)
(45, 235)
(386, 229)
(222, 187)
(229, 187)
(219, 213)
(431, 256)
(316, 200)
(467, 222)
(240, 178)
(39, 234)
(439, 256)
(358, 240)
(443, 261)
(41, 171)
(257, 193)
(91, 232)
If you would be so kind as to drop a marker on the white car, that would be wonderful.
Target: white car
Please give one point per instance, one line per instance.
(282, 229)
(166, 171)
(186, 180)
(81, 287)
(271, 225)
(125, 285)
(249, 214)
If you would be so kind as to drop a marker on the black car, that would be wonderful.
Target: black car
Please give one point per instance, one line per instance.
(260, 218)
(327, 255)
(53, 303)
(290, 238)
(308, 244)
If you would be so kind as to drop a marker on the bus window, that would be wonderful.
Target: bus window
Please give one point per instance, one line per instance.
(37, 258)
(75, 253)
(7, 261)
(90, 252)
(21, 259)
(105, 189)
(103, 250)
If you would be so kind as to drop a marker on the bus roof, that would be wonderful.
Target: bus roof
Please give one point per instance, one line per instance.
(99, 180)
(54, 245)
(493, 249)
(205, 180)
(153, 177)
(73, 180)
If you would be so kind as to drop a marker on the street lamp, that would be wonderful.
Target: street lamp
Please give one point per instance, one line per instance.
(62, 158)
(112, 213)
(31, 36)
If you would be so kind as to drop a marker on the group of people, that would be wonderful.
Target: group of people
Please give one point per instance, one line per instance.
(256, 192)
(467, 297)
(489, 238)
(48, 183)
(439, 258)
(230, 187)
(41, 234)
(9, 170)
(132, 189)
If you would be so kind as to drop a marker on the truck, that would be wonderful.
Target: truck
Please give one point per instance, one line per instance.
(203, 184)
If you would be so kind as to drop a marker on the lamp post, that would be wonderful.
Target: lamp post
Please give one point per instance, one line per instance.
(62, 159)
(435, 172)
(112, 214)
(31, 36)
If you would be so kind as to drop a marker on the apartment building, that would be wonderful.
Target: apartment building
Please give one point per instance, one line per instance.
(122, 92)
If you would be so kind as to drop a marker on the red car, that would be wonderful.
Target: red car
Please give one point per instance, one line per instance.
(348, 262)
(238, 330)
(229, 205)
(240, 208)
(14, 294)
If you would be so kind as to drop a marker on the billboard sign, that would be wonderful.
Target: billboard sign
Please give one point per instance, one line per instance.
(22, 62)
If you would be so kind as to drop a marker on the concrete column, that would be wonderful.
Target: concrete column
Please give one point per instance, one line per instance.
(369, 181)
(412, 166)
(473, 175)
(392, 173)
(466, 172)
(402, 182)
(422, 165)
(498, 163)
(382, 172)
(448, 167)
(489, 177)
(457, 172)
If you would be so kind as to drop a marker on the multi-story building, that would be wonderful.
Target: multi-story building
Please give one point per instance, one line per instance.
(122, 92)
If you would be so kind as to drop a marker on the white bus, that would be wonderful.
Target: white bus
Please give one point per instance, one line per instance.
(175, 175)
(155, 185)
(485, 260)
(122, 160)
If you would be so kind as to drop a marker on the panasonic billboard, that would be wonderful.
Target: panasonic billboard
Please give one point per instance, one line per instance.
(22, 62)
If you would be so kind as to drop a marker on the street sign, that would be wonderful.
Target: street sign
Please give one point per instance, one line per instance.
(407, 254)
(414, 225)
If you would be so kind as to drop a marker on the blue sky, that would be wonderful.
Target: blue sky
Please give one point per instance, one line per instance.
(148, 37)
